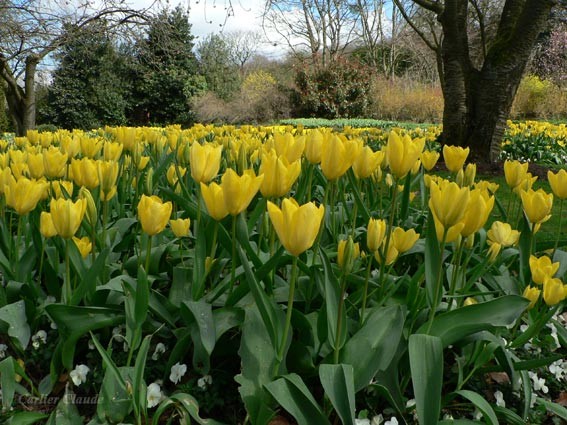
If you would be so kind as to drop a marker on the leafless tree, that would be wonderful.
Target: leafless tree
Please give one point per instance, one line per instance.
(323, 28)
(30, 30)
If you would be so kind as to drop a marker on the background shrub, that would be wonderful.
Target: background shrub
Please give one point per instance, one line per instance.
(539, 98)
(402, 99)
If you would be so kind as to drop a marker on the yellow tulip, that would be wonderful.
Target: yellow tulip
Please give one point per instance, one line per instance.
(55, 163)
(112, 151)
(153, 214)
(375, 234)
(20, 169)
(558, 183)
(213, 196)
(84, 172)
(470, 174)
(542, 268)
(84, 245)
(429, 159)
(24, 194)
(531, 294)
(338, 156)
(204, 161)
(367, 162)
(90, 146)
(448, 204)
(289, 146)
(402, 153)
(46, 227)
(537, 205)
(279, 174)
(70, 146)
(107, 175)
(515, 173)
(477, 211)
(390, 257)
(61, 188)
(67, 215)
(35, 165)
(404, 240)
(91, 213)
(470, 301)
(314, 146)
(553, 291)
(296, 226)
(180, 227)
(455, 157)
(502, 234)
(172, 174)
(239, 190)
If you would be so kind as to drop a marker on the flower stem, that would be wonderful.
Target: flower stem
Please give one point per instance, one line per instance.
(283, 343)
(67, 287)
(233, 262)
(365, 294)
(148, 255)
(560, 232)
(339, 321)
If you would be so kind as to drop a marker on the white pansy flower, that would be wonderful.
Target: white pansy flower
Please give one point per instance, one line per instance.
(410, 403)
(177, 372)
(3, 349)
(392, 421)
(153, 395)
(538, 383)
(160, 349)
(559, 369)
(362, 421)
(500, 402)
(79, 374)
(377, 420)
(205, 381)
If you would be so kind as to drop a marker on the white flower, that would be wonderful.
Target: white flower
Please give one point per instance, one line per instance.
(177, 372)
(377, 420)
(500, 402)
(362, 421)
(554, 334)
(39, 338)
(538, 383)
(153, 395)
(50, 299)
(448, 417)
(160, 349)
(91, 345)
(205, 381)
(79, 374)
(533, 400)
(558, 368)
(410, 403)
(392, 421)
(3, 349)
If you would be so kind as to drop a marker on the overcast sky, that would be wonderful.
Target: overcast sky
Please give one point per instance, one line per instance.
(210, 16)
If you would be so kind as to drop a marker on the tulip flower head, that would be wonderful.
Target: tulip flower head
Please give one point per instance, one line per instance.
(84, 245)
(24, 194)
(515, 173)
(238, 190)
(537, 205)
(347, 252)
(404, 240)
(46, 227)
(338, 156)
(153, 214)
(375, 234)
(477, 212)
(279, 174)
(402, 153)
(296, 226)
(502, 234)
(180, 227)
(455, 157)
(542, 268)
(367, 162)
(448, 204)
(204, 161)
(553, 291)
(558, 183)
(531, 293)
(429, 159)
(213, 196)
(67, 216)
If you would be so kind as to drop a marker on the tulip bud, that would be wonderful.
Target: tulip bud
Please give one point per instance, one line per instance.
(553, 292)
(150, 181)
(242, 160)
(493, 251)
(470, 174)
(531, 294)
(460, 178)
(348, 251)
(91, 212)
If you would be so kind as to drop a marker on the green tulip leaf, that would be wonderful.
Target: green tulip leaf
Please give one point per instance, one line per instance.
(293, 395)
(14, 321)
(426, 364)
(481, 404)
(457, 324)
(338, 383)
(373, 347)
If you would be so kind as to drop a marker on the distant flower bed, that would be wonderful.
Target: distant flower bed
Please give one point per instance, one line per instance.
(243, 273)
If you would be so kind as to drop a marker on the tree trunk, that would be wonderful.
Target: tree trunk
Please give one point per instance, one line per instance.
(478, 102)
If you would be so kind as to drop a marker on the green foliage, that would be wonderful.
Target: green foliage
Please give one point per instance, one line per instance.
(338, 90)
(90, 88)
(221, 74)
(165, 71)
